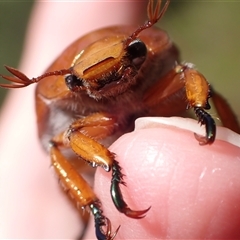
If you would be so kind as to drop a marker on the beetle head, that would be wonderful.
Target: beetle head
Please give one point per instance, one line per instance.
(107, 67)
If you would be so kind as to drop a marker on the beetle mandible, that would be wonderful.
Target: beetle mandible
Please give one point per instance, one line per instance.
(102, 91)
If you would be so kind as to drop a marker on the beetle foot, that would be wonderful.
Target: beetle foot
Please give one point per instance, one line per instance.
(205, 119)
(116, 194)
(100, 222)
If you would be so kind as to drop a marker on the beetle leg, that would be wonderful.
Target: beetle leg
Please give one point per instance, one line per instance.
(166, 97)
(80, 191)
(82, 136)
(198, 93)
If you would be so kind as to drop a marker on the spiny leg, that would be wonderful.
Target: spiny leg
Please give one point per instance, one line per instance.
(97, 155)
(198, 93)
(80, 191)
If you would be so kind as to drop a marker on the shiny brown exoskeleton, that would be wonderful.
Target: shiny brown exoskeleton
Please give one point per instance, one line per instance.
(109, 78)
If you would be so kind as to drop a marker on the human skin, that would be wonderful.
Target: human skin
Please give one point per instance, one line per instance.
(193, 191)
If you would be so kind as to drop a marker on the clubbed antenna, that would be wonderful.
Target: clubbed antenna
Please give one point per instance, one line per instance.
(20, 80)
(154, 14)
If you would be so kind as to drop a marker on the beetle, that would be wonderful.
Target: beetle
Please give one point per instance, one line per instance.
(122, 74)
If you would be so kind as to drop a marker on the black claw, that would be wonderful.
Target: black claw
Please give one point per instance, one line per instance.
(100, 222)
(116, 194)
(99, 234)
(205, 119)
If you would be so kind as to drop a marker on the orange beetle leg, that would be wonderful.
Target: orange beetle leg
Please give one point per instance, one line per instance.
(197, 94)
(96, 154)
(80, 192)
(165, 98)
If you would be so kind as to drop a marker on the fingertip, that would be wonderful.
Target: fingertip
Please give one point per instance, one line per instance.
(183, 182)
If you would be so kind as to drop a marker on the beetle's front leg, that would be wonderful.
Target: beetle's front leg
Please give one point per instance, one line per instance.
(198, 93)
(167, 96)
(83, 136)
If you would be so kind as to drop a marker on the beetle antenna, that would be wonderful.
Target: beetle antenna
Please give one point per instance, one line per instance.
(154, 14)
(20, 80)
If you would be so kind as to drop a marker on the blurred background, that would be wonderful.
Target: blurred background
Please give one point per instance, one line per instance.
(14, 17)
(206, 32)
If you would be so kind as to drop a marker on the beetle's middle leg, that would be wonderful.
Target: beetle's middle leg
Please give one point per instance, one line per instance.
(79, 190)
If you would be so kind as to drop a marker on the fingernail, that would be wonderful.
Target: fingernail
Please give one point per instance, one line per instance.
(192, 125)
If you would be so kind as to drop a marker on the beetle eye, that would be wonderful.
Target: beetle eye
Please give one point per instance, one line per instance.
(72, 82)
(137, 51)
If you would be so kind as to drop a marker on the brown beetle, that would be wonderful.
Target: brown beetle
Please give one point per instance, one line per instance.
(97, 97)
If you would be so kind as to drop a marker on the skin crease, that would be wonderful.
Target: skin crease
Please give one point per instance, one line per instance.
(192, 193)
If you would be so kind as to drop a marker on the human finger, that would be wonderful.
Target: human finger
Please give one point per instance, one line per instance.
(193, 190)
